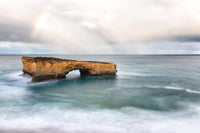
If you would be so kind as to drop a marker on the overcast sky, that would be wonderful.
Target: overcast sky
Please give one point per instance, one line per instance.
(99, 27)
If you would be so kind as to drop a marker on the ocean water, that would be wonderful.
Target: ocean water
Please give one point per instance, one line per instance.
(151, 94)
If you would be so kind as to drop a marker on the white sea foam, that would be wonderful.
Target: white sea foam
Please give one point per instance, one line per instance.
(173, 88)
(54, 94)
(166, 87)
(192, 91)
(11, 92)
(113, 89)
(70, 121)
(101, 121)
(133, 74)
(177, 88)
(14, 75)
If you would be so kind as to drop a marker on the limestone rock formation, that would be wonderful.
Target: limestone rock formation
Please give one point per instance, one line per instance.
(45, 68)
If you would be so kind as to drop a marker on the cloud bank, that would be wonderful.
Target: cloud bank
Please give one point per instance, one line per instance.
(103, 26)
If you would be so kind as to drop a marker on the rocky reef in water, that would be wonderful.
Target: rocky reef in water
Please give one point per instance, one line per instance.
(46, 68)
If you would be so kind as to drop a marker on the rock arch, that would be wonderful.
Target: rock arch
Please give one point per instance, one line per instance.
(45, 68)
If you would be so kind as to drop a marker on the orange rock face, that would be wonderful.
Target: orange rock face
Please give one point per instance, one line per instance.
(45, 68)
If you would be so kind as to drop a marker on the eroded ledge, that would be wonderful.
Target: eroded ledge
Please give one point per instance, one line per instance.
(46, 68)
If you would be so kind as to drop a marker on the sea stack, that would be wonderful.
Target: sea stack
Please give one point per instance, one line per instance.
(46, 68)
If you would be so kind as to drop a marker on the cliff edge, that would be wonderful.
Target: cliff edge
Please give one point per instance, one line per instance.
(45, 68)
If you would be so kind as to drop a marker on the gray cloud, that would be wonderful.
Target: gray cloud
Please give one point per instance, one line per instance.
(15, 32)
(186, 38)
(99, 26)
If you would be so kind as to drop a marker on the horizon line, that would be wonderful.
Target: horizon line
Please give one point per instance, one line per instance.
(106, 54)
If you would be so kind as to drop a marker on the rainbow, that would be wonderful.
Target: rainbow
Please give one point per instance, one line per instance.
(39, 23)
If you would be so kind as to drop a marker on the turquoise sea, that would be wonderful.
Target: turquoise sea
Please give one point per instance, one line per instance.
(151, 94)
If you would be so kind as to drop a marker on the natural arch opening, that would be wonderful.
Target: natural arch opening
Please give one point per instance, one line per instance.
(73, 74)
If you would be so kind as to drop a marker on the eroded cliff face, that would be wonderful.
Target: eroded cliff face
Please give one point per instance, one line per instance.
(45, 68)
